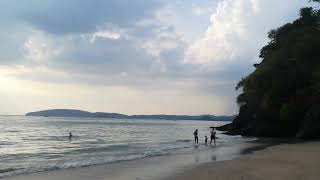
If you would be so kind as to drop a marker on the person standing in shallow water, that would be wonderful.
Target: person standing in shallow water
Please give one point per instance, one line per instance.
(195, 133)
(213, 136)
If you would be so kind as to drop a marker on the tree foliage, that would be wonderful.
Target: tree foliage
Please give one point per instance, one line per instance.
(280, 98)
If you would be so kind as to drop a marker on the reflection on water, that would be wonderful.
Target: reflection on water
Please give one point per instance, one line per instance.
(196, 158)
(213, 158)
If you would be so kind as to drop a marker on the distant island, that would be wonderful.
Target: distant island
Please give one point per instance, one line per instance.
(86, 114)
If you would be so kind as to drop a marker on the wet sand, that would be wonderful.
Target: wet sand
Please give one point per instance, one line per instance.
(299, 161)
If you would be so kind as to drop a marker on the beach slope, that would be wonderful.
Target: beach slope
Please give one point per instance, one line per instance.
(283, 162)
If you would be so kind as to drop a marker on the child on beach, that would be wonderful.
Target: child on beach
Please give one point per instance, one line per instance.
(205, 140)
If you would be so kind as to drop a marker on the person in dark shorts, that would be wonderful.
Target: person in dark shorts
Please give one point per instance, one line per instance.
(195, 133)
(213, 136)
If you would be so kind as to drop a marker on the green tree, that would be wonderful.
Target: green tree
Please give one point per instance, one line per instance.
(280, 98)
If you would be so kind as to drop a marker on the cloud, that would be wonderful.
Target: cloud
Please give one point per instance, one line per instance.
(238, 29)
(105, 34)
(101, 57)
(74, 16)
(40, 47)
(132, 56)
(199, 11)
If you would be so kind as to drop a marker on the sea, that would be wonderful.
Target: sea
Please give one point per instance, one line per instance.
(35, 144)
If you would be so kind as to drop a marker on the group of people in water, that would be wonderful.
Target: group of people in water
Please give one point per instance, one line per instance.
(195, 133)
(213, 137)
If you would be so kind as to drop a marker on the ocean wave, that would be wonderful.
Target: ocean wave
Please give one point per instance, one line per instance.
(51, 138)
(6, 170)
(115, 147)
(6, 143)
(184, 140)
(12, 131)
(125, 155)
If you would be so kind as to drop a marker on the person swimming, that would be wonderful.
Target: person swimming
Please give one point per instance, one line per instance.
(70, 135)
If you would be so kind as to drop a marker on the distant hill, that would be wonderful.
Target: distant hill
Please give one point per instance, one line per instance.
(86, 114)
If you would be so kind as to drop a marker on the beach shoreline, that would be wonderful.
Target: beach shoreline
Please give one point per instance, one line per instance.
(152, 168)
(259, 160)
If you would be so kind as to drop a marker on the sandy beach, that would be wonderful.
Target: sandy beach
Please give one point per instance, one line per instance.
(299, 161)
(283, 162)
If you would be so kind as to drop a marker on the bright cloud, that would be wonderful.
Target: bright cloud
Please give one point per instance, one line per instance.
(198, 10)
(238, 30)
(105, 34)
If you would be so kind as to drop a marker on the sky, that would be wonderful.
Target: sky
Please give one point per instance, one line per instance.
(132, 56)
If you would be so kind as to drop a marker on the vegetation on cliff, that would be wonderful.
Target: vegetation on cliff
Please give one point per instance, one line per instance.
(281, 98)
